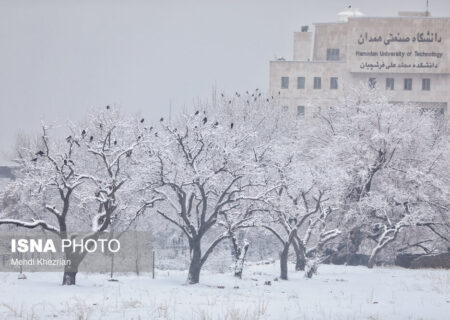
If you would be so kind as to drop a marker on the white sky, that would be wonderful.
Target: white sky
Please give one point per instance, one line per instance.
(60, 58)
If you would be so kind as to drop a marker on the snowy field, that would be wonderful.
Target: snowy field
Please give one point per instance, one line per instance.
(337, 292)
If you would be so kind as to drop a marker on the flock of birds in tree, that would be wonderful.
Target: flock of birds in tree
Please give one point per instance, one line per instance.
(257, 94)
(128, 153)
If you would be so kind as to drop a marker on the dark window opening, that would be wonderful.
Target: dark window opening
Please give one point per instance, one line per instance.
(317, 83)
(426, 84)
(332, 54)
(408, 84)
(301, 83)
(333, 83)
(284, 82)
(389, 84)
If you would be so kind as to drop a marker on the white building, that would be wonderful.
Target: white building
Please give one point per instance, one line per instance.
(407, 56)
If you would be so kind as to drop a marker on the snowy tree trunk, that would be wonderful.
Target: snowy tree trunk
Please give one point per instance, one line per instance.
(311, 268)
(69, 277)
(284, 262)
(376, 250)
(386, 237)
(196, 261)
(300, 258)
(372, 257)
(239, 260)
(71, 270)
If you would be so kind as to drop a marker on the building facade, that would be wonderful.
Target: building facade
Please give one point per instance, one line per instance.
(405, 56)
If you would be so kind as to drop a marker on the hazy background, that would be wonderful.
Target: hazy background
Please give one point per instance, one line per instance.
(60, 58)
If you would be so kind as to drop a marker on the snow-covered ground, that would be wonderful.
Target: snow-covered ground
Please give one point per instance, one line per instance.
(337, 292)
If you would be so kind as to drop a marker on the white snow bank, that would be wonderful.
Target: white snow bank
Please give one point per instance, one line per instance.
(337, 292)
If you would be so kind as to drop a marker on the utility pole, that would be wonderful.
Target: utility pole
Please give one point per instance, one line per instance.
(153, 264)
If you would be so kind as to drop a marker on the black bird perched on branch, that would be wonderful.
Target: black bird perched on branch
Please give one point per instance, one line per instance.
(222, 95)
(205, 119)
(83, 133)
(108, 107)
(40, 153)
(142, 120)
(232, 125)
(197, 112)
(65, 161)
(267, 100)
(138, 138)
(115, 142)
(216, 123)
(91, 138)
(162, 119)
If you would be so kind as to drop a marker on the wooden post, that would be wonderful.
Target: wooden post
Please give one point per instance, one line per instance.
(153, 264)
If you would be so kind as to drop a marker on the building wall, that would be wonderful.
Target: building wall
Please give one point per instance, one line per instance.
(440, 84)
(407, 36)
(292, 96)
(330, 36)
(302, 46)
(403, 36)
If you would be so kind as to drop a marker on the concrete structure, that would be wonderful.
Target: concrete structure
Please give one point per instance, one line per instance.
(6, 175)
(405, 56)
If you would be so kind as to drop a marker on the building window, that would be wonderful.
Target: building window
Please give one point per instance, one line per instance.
(300, 111)
(333, 83)
(426, 84)
(372, 83)
(332, 54)
(389, 83)
(317, 83)
(284, 82)
(301, 83)
(408, 84)
(285, 108)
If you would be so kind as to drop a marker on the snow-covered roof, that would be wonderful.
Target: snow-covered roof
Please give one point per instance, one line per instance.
(349, 13)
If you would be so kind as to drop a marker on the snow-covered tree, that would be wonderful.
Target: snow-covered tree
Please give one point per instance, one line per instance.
(210, 168)
(77, 183)
(393, 154)
(298, 206)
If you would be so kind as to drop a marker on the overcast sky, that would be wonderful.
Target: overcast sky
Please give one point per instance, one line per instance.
(60, 58)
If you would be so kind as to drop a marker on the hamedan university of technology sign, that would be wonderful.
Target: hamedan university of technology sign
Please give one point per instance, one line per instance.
(399, 45)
